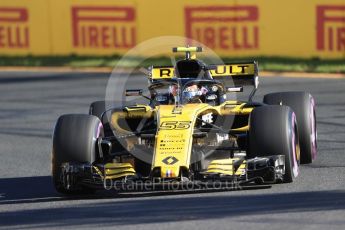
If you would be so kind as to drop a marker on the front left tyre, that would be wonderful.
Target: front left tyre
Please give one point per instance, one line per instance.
(273, 131)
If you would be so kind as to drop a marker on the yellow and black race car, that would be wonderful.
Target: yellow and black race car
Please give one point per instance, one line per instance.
(189, 133)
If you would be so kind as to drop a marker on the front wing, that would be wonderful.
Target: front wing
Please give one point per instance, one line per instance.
(259, 170)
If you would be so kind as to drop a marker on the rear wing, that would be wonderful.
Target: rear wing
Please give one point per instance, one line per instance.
(162, 72)
(234, 74)
(237, 74)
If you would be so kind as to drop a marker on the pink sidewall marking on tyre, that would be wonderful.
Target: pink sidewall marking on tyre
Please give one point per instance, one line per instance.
(98, 131)
(313, 135)
(295, 168)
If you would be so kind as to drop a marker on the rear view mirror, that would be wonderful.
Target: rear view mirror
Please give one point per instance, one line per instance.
(234, 89)
(211, 67)
(134, 92)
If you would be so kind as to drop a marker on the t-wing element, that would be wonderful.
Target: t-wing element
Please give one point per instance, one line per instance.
(187, 50)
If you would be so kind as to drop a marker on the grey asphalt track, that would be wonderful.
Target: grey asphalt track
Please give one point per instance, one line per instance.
(31, 102)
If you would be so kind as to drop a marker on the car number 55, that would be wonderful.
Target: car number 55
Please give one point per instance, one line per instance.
(174, 125)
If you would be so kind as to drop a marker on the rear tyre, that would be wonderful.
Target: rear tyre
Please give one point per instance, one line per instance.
(303, 105)
(273, 131)
(97, 108)
(74, 140)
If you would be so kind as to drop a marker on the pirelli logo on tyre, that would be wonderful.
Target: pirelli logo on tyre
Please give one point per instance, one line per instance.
(103, 27)
(223, 27)
(330, 35)
(14, 29)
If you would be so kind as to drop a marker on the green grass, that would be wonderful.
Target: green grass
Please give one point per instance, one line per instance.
(277, 64)
(313, 65)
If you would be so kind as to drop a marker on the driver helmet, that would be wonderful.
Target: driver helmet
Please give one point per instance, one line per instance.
(173, 90)
(194, 93)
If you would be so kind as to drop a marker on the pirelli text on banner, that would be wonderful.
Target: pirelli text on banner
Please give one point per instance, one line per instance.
(223, 26)
(103, 27)
(14, 30)
(330, 28)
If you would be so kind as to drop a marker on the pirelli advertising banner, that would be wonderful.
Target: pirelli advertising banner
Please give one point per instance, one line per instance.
(294, 28)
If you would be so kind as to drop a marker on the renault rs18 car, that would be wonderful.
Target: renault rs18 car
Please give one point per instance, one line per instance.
(189, 131)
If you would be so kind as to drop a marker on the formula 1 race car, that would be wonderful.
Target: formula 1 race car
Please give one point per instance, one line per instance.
(189, 132)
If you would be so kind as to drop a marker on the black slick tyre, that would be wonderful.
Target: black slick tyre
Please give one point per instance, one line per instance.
(74, 141)
(273, 131)
(303, 104)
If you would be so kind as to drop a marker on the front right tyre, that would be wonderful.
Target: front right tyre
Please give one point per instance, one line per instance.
(74, 141)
